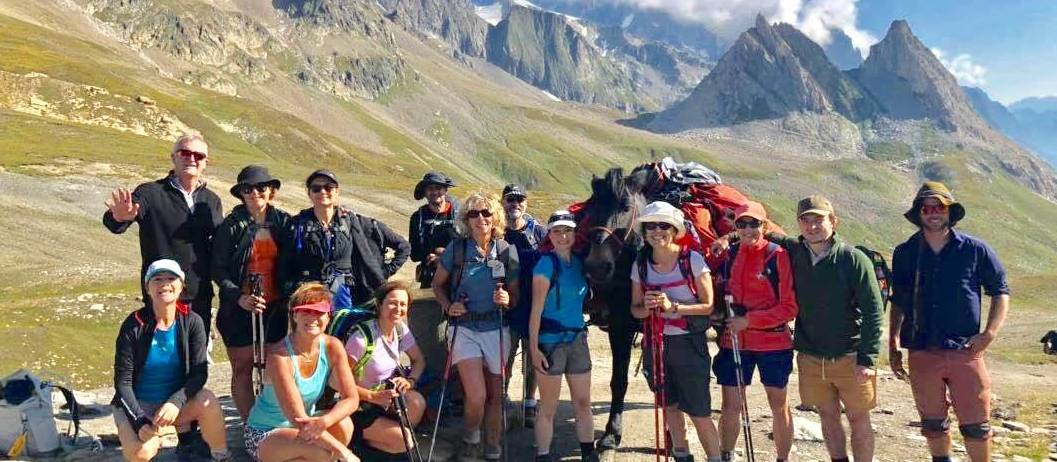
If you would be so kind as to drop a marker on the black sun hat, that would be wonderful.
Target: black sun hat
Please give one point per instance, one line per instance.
(432, 178)
(253, 175)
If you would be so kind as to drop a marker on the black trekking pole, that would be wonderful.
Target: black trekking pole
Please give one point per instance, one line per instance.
(258, 333)
(444, 386)
(400, 405)
(746, 425)
(502, 378)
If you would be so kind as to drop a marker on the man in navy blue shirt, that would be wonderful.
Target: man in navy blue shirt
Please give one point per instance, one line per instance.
(526, 234)
(938, 276)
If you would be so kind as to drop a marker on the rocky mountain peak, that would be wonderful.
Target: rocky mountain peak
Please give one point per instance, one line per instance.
(912, 83)
(771, 71)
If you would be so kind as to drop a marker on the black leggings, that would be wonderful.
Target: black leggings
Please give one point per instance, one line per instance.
(621, 337)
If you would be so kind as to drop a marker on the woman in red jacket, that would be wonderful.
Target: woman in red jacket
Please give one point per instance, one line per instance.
(759, 276)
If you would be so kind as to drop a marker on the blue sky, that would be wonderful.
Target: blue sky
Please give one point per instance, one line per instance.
(1015, 41)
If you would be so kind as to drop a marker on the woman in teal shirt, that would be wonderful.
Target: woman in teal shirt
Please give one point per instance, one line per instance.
(283, 424)
(558, 337)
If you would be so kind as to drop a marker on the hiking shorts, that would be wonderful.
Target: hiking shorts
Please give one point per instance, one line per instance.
(940, 378)
(774, 366)
(824, 381)
(235, 324)
(686, 376)
(470, 344)
(568, 358)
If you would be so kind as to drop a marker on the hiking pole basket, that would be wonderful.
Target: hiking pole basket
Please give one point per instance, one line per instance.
(257, 330)
(739, 378)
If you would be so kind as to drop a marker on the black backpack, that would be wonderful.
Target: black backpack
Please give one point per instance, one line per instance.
(883, 272)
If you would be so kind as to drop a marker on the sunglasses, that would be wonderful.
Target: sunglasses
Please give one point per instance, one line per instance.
(259, 187)
(479, 213)
(514, 199)
(933, 209)
(189, 154)
(650, 226)
(318, 188)
(742, 224)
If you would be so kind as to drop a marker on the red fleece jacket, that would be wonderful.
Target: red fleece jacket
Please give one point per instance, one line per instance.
(769, 316)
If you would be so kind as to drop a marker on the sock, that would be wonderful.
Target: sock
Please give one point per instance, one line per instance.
(587, 448)
(473, 437)
(219, 454)
(530, 403)
(726, 456)
(941, 458)
(680, 452)
(840, 459)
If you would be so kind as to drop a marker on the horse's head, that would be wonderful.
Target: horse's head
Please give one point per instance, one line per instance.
(610, 215)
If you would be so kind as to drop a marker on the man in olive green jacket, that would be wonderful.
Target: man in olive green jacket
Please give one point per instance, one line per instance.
(838, 327)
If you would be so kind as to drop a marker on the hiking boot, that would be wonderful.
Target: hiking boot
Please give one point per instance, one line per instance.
(468, 452)
(589, 457)
(530, 416)
(492, 451)
(190, 447)
(543, 458)
(686, 458)
(727, 456)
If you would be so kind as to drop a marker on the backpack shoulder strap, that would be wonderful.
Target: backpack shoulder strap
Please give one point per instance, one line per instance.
(686, 268)
(642, 261)
(457, 261)
(770, 268)
(368, 351)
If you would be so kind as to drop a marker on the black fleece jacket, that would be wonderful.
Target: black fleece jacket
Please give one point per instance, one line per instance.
(130, 354)
(169, 229)
(232, 247)
(359, 250)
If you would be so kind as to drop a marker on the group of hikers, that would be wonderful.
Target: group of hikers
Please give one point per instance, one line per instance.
(507, 282)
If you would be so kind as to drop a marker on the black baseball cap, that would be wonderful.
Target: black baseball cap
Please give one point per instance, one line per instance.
(514, 190)
(321, 173)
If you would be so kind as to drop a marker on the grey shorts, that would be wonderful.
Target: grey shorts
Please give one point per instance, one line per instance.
(568, 358)
(687, 366)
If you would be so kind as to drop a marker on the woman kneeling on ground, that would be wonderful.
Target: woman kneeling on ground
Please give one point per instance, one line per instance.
(381, 380)
(476, 278)
(283, 425)
(246, 254)
(672, 287)
(558, 337)
(159, 372)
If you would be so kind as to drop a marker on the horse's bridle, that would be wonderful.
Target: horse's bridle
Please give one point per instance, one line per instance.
(609, 232)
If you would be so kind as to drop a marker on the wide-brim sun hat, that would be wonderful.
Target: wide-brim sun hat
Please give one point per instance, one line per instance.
(429, 178)
(253, 175)
(941, 192)
(164, 265)
(663, 212)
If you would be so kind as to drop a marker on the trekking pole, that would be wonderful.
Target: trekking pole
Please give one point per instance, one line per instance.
(746, 425)
(444, 386)
(502, 378)
(400, 405)
(257, 330)
(524, 386)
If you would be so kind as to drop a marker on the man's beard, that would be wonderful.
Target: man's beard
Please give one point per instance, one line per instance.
(929, 226)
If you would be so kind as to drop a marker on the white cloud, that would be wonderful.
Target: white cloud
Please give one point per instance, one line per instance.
(964, 69)
(729, 18)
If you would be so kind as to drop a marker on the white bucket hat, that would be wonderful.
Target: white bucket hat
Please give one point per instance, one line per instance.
(663, 212)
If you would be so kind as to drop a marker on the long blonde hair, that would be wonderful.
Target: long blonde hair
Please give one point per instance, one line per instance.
(490, 202)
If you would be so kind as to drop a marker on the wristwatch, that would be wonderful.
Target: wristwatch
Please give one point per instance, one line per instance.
(675, 307)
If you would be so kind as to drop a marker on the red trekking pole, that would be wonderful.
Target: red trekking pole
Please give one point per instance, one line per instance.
(660, 402)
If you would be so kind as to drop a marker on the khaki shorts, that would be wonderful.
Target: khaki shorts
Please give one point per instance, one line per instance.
(823, 381)
(568, 358)
(470, 344)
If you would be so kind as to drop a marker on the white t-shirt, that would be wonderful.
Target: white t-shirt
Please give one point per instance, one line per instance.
(677, 294)
(386, 356)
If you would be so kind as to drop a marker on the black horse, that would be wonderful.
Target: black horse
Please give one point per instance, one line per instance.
(613, 242)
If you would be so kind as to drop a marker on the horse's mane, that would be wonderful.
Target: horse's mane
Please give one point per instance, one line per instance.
(609, 195)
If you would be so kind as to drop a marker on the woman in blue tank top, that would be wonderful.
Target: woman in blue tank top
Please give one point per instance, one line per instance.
(283, 424)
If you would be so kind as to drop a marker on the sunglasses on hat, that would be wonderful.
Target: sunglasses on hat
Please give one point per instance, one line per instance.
(751, 223)
(652, 225)
(479, 213)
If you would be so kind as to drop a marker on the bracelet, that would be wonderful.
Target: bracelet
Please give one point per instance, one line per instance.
(675, 307)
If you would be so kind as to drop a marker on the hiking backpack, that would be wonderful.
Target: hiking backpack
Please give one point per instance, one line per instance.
(694, 323)
(770, 267)
(343, 324)
(883, 272)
